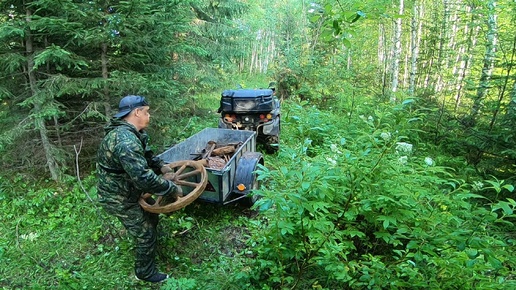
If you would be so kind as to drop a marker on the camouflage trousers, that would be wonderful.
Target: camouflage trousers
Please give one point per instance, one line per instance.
(141, 225)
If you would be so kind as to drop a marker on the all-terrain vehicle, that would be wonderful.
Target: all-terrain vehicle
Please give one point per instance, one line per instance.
(254, 110)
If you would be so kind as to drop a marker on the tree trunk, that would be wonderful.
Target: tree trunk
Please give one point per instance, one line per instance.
(465, 56)
(396, 52)
(511, 111)
(512, 93)
(105, 75)
(383, 57)
(449, 82)
(443, 51)
(414, 45)
(489, 58)
(39, 121)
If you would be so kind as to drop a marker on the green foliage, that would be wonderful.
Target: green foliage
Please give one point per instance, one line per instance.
(347, 203)
(86, 56)
(59, 57)
(57, 236)
(372, 210)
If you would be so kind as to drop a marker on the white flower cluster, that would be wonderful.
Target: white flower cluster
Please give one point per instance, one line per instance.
(403, 148)
(386, 136)
(31, 236)
(478, 185)
(429, 161)
(331, 161)
(369, 119)
(335, 149)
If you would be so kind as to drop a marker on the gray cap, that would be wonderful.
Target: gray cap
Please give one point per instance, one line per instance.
(129, 103)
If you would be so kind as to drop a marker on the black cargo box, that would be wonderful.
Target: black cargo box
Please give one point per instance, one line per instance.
(244, 101)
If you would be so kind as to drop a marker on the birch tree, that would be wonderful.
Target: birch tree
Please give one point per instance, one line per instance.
(465, 54)
(397, 50)
(489, 60)
(415, 38)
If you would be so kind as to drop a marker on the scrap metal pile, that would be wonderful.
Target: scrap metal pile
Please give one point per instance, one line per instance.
(217, 155)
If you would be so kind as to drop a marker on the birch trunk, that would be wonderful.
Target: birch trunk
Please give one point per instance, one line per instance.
(443, 52)
(414, 45)
(451, 63)
(253, 58)
(489, 58)
(383, 57)
(465, 56)
(404, 81)
(396, 52)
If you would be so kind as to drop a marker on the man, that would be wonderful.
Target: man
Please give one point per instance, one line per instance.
(126, 168)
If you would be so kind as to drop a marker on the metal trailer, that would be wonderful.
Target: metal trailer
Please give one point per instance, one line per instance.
(236, 180)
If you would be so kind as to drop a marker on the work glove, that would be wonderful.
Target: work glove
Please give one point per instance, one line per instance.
(177, 189)
(174, 194)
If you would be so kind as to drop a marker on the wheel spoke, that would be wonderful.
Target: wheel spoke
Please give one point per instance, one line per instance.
(187, 183)
(180, 170)
(187, 174)
(196, 170)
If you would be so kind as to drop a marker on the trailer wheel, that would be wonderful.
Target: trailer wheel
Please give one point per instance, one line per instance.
(252, 198)
(190, 176)
(246, 179)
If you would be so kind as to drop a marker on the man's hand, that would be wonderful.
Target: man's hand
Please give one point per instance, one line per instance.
(165, 169)
(169, 176)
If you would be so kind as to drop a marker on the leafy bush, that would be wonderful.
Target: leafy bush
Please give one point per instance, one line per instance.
(372, 210)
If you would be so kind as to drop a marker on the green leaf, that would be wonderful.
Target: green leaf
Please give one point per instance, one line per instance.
(408, 101)
(267, 204)
(472, 253)
(504, 206)
(497, 264)
(470, 263)
(386, 224)
(355, 233)
(315, 18)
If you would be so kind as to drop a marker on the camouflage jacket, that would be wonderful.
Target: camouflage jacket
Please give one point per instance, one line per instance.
(126, 167)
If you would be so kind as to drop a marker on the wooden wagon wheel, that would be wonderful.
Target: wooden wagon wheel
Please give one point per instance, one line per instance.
(185, 175)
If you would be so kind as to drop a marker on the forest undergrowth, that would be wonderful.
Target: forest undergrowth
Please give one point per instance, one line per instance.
(355, 198)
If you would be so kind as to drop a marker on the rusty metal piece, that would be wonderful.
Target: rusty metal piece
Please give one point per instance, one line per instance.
(224, 150)
(216, 162)
(211, 146)
(216, 156)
